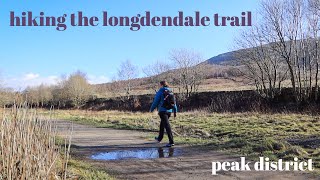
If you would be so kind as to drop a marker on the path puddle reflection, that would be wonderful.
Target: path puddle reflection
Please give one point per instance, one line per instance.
(146, 153)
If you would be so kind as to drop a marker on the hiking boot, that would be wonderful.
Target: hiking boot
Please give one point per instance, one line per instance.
(156, 138)
(169, 145)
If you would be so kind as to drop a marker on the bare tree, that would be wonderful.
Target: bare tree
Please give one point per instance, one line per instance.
(117, 88)
(7, 96)
(262, 65)
(190, 70)
(38, 96)
(45, 94)
(76, 88)
(281, 31)
(291, 28)
(31, 96)
(126, 73)
(287, 34)
(157, 72)
(313, 19)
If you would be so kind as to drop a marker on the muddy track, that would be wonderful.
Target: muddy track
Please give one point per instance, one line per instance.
(186, 162)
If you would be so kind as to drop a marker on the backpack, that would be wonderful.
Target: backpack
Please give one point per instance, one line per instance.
(169, 100)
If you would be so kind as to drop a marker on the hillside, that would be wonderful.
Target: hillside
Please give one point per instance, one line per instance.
(228, 58)
(222, 75)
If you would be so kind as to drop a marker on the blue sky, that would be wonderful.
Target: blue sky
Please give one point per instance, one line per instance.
(32, 55)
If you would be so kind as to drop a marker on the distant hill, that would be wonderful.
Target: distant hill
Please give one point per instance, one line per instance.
(228, 58)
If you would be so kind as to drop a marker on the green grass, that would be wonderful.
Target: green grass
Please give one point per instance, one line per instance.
(83, 170)
(249, 134)
(78, 169)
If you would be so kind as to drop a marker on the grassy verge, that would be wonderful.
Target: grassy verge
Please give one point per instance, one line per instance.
(251, 134)
(82, 170)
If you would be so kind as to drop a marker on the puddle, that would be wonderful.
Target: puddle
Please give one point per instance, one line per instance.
(147, 153)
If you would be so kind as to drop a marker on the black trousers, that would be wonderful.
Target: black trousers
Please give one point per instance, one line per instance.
(164, 124)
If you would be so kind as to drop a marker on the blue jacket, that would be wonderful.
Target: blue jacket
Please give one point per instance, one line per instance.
(158, 101)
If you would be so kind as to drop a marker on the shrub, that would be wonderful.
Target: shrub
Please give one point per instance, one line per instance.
(27, 147)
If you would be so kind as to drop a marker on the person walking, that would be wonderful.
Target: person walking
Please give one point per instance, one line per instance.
(165, 102)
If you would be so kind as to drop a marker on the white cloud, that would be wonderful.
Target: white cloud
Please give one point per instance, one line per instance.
(33, 79)
(30, 76)
(30, 80)
(98, 79)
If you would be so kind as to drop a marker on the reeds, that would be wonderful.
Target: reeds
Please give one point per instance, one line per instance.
(27, 147)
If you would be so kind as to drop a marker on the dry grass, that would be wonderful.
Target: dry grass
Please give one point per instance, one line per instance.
(28, 147)
(222, 84)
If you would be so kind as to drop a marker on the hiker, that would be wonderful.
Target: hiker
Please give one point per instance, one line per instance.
(165, 102)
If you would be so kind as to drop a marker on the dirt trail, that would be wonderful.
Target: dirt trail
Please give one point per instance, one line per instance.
(190, 163)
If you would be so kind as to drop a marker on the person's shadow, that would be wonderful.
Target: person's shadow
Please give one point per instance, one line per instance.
(165, 154)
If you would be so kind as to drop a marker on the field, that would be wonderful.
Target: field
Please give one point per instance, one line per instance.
(251, 134)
